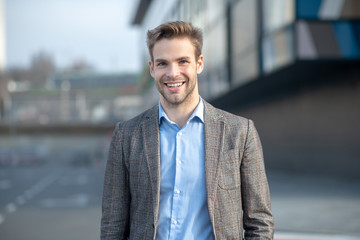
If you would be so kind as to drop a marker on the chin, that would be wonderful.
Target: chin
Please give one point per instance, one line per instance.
(174, 101)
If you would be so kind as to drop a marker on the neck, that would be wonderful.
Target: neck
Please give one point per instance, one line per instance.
(180, 113)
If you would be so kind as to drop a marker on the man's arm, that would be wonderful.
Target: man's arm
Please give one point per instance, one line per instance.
(258, 219)
(116, 194)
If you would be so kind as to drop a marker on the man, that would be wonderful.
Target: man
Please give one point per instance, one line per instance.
(184, 169)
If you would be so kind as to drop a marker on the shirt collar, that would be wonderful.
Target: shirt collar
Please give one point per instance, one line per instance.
(198, 112)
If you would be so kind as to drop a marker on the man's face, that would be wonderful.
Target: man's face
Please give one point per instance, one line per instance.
(175, 70)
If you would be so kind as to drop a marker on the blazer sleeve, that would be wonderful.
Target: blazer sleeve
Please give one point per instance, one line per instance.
(116, 193)
(257, 215)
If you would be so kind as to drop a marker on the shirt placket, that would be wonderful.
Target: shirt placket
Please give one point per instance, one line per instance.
(176, 220)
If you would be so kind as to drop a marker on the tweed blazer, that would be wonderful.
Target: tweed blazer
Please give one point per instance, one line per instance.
(238, 195)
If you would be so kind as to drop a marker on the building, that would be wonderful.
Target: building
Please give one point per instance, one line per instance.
(2, 36)
(77, 98)
(293, 66)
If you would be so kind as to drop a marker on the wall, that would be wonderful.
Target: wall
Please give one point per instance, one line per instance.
(315, 130)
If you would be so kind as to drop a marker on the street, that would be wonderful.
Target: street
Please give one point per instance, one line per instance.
(50, 202)
(314, 207)
(57, 199)
(60, 198)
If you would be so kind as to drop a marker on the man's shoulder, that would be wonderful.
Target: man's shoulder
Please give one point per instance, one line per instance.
(228, 117)
(135, 122)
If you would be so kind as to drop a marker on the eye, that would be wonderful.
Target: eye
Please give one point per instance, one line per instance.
(161, 64)
(183, 61)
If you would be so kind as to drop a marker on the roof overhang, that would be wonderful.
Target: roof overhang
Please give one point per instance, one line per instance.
(141, 10)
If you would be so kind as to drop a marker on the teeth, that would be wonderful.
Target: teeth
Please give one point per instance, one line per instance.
(174, 84)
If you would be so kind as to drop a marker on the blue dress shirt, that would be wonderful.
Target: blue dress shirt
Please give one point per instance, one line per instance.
(183, 211)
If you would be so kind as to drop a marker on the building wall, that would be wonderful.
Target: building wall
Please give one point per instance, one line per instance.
(314, 130)
(247, 39)
(248, 44)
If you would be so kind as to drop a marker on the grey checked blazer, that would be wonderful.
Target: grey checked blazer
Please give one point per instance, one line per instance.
(238, 195)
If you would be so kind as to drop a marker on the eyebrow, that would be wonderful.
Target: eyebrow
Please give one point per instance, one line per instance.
(178, 59)
(160, 60)
(183, 58)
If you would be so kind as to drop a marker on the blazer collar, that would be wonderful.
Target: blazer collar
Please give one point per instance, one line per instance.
(151, 140)
(215, 125)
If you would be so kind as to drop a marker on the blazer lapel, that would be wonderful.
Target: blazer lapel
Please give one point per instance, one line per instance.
(151, 140)
(214, 138)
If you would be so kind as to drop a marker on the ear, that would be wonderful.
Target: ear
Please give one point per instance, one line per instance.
(200, 64)
(151, 65)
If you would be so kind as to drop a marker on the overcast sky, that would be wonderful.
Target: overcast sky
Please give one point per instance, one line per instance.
(97, 31)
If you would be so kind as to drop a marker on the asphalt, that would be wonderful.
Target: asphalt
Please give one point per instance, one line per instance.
(315, 207)
(46, 201)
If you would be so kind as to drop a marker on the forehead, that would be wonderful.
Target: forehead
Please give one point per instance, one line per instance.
(173, 48)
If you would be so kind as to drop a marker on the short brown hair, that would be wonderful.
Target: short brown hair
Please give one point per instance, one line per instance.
(175, 29)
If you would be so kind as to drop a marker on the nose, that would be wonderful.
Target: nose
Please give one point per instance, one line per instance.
(173, 71)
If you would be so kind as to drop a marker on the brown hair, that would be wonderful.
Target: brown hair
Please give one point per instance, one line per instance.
(175, 29)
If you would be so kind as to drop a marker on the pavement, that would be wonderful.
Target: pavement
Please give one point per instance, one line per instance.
(59, 201)
(314, 207)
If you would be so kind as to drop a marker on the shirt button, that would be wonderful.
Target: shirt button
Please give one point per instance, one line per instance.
(177, 191)
(179, 162)
(180, 133)
(175, 222)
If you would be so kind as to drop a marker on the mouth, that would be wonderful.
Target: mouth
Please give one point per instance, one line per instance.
(174, 85)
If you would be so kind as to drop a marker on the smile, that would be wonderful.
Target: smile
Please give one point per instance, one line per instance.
(174, 85)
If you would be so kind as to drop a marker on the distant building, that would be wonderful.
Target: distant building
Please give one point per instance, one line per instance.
(94, 80)
(76, 98)
(2, 36)
(293, 66)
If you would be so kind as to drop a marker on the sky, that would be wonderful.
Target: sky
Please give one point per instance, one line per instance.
(97, 31)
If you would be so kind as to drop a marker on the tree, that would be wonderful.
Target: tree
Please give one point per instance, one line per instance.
(41, 67)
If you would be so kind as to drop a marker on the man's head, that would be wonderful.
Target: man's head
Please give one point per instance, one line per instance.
(171, 30)
(176, 60)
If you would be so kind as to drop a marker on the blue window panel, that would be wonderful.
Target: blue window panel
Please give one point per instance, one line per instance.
(356, 29)
(307, 8)
(346, 38)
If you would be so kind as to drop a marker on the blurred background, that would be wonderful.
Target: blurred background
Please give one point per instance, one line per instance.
(69, 70)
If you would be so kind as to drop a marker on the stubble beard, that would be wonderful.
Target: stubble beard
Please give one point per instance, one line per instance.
(171, 99)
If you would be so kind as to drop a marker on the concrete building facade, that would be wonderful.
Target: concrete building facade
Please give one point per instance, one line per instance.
(293, 66)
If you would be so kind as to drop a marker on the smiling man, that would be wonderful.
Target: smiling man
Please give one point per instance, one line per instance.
(184, 169)
(175, 69)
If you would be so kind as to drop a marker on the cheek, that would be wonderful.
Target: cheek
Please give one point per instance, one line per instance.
(157, 78)
(193, 72)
